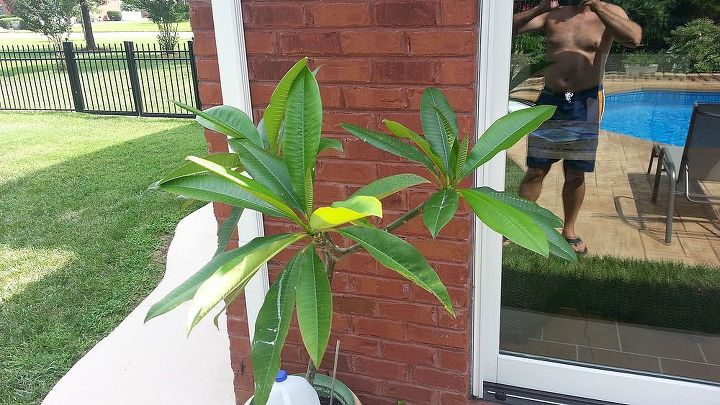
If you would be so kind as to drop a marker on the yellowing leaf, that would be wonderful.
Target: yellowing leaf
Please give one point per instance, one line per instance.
(346, 211)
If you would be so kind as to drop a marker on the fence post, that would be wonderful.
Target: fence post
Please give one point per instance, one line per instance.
(73, 76)
(193, 69)
(134, 77)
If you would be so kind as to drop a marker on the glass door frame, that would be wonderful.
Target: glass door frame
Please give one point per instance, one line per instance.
(488, 364)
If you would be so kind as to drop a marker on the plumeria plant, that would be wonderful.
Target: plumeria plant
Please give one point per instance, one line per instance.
(271, 169)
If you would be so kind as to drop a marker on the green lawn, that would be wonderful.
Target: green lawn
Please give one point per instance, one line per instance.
(661, 294)
(129, 26)
(121, 26)
(81, 238)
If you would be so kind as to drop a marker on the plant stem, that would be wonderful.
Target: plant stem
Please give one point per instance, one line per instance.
(405, 218)
(311, 371)
(391, 227)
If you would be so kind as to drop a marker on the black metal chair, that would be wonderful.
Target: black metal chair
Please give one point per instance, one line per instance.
(698, 161)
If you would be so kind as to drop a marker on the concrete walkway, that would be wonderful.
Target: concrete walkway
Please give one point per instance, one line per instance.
(155, 363)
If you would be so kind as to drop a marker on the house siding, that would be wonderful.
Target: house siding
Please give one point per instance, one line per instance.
(397, 343)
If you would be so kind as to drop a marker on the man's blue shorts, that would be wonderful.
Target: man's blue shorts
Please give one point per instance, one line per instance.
(571, 109)
(587, 166)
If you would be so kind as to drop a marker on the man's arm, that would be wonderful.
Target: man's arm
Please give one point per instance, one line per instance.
(533, 19)
(617, 22)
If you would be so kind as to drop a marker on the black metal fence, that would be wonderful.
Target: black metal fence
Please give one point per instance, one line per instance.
(123, 79)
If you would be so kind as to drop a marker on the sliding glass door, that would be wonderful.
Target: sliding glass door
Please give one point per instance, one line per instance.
(636, 319)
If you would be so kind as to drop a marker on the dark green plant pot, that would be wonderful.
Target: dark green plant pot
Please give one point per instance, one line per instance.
(343, 395)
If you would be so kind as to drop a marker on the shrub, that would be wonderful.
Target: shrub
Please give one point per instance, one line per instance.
(114, 15)
(531, 46)
(695, 47)
(9, 22)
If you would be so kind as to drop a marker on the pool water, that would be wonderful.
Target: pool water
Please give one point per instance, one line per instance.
(655, 115)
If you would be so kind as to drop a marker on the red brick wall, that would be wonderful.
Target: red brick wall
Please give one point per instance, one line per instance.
(377, 57)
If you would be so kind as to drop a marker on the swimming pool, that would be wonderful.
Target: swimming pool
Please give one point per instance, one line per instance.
(655, 115)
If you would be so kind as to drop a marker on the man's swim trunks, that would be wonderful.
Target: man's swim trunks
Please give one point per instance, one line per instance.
(572, 132)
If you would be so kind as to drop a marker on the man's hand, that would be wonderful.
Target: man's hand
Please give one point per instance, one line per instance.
(548, 5)
(591, 4)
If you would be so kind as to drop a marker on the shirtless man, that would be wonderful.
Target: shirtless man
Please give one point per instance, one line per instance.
(579, 36)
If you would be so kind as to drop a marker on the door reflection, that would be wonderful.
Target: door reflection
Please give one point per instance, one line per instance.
(633, 302)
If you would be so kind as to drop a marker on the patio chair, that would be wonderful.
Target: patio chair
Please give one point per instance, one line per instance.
(698, 161)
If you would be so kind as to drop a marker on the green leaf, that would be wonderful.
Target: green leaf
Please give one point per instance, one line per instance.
(187, 289)
(249, 185)
(462, 158)
(544, 218)
(504, 133)
(330, 143)
(404, 132)
(558, 245)
(402, 257)
(309, 191)
(439, 209)
(450, 132)
(226, 229)
(263, 134)
(314, 306)
(226, 120)
(507, 220)
(438, 119)
(342, 212)
(224, 159)
(275, 112)
(390, 144)
(390, 185)
(528, 207)
(301, 132)
(454, 154)
(271, 328)
(267, 169)
(527, 72)
(236, 273)
(207, 187)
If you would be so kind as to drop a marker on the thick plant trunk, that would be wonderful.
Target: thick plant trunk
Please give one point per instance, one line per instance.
(87, 25)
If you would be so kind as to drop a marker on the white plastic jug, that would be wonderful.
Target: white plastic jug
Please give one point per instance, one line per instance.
(291, 390)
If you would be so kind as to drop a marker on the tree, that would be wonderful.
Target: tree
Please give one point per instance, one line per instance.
(87, 25)
(654, 16)
(693, 9)
(166, 14)
(695, 47)
(51, 18)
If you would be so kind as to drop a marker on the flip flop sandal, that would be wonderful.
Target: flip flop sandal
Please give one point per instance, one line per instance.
(575, 242)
